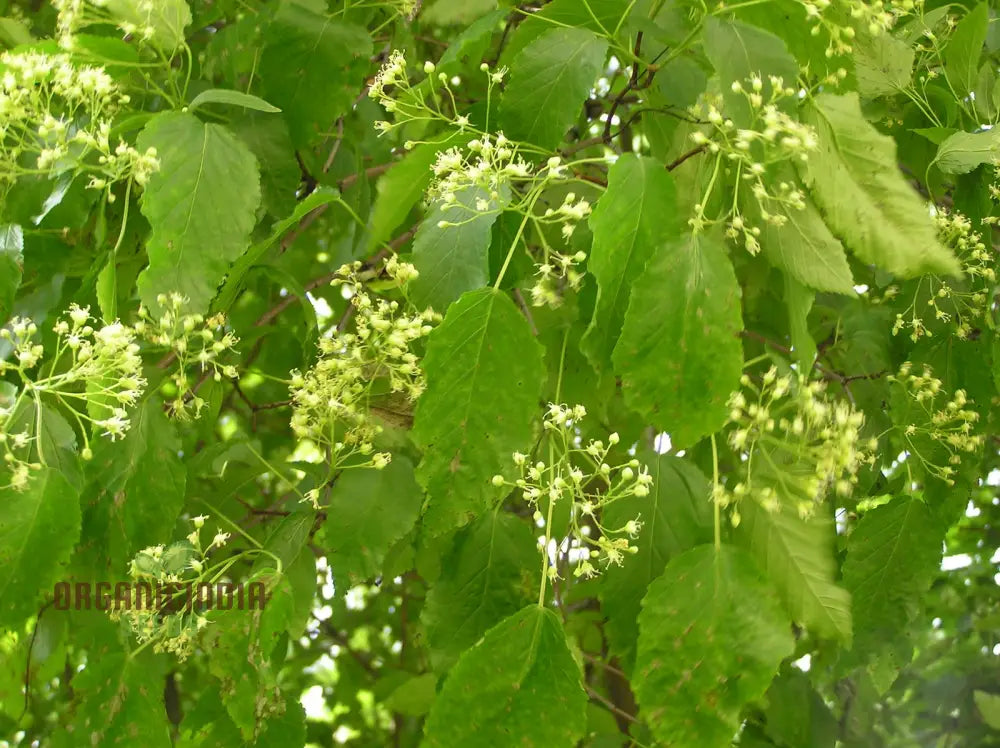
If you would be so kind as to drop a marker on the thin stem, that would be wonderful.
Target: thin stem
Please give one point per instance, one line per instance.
(715, 502)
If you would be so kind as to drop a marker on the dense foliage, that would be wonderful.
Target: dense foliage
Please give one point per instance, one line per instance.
(584, 372)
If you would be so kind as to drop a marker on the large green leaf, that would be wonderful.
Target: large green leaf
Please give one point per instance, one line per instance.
(549, 81)
(518, 686)
(121, 701)
(313, 68)
(883, 65)
(711, 637)
(675, 517)
(201, 206)
(369, 510)
(961, 56)
(135, 486)
(38, 529)
(805, 249)
(962, 152)
(491, 571)
(635, 217)
(484, 375)
(679, 356)
(857, 185)
(738, 51)
(162, 23)
(892, 557)
(401, 188)
(797, 556)
(453, 259)
(11, 260)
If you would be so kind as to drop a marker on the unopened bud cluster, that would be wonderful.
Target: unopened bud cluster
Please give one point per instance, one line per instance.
(772, 137)
(585, 477)
(198, 344)
(790, 421)
(840, 18)
(331, 402)
(391, 88)
(947, 422)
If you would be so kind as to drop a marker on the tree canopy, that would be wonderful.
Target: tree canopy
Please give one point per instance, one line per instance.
(470, 373)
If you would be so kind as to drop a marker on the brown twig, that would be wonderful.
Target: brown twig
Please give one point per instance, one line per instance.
(633, 81)
(684, 157)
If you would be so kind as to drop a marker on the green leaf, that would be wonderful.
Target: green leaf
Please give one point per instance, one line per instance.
(961, 56)
(805, 249)
(447, 12)
(797, 556)
(136, 485)
(892, 557)
(268, 140)
(549, 81)
(679, 356)
(491, 571)
(165, 20)
(675, 517)
(711, 637)
(121, 701)
(633, 219)
(369, 510)
(38, 529)
(532, 695)
(472, 41)
(883, 65)
(201, 206)
(401, 188)
(856, 183)
(798, 301)
(962, 152)
(988, 705)
(234, 98)
(231, 288)
(312, 67)
(797, 715)
(737, 51)
(453, 259)
(414, 697)
(11, 259)
(484, 375)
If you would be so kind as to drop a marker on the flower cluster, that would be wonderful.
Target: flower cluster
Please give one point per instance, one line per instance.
(332, 401)
(194, 342)
(946, 425)
(554, 274)
(960, 306)
(798, 444)
(57, 116)
(771, 137)
(583, 477)
(94, 374)
(489, 165)
(173, 625)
